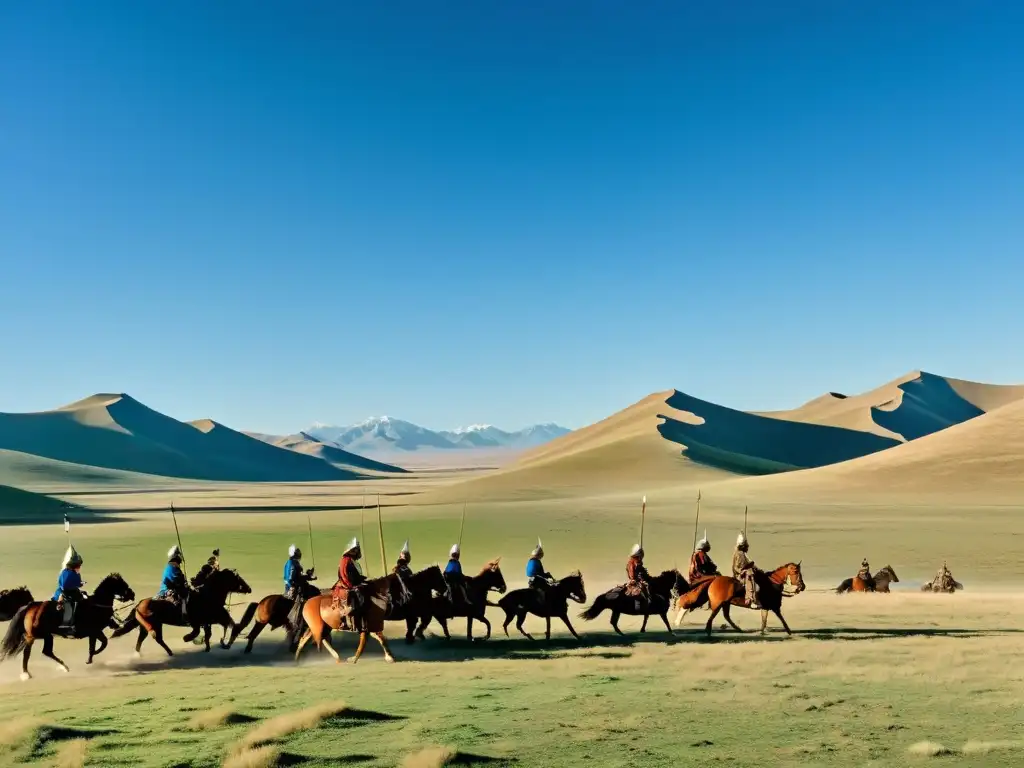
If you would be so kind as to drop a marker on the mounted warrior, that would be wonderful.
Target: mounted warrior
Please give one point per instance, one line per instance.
(538, 579)
(637, 577)
(173, 586)
(402, 566)
(69, 593)
(212, 564)
(701, 564)
(864, 574)
(346, 594)
(743, 569)
(295, 583)
(454, 577)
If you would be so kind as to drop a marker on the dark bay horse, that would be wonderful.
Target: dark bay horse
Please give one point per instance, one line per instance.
(272, 611)
(11, 600)
(477, 587)
(205, 608)
(322, 615)
(883, 579)
(618, 602)
(42, 620)
(723, 591)
(417, 609)
(519, 602)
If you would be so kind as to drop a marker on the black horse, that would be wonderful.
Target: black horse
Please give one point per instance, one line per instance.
(520, 602)
(11, 600)
(882, 580)
(477, 587)
(618, 602)
(416, 610)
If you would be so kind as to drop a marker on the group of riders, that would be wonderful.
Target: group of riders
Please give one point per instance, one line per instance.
(347, 591)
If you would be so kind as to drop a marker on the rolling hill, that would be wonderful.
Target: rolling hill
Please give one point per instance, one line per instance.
(116, 432)
(17, 505)
(332, 454)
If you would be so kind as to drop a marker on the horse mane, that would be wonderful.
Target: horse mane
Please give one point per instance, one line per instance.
(489, 566)
(668, 573)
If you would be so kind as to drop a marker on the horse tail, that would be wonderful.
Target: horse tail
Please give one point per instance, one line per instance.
(130, 624)
(594, 610)
(14, 641)
(246, 619)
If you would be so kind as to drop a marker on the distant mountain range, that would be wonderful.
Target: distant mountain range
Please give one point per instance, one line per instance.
(386, 435)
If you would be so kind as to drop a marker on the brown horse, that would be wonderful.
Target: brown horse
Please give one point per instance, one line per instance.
(205, 607)
(322, 615)
(418, 608)
(883, 579)
(723, 591)
(477, 587)
(42, 619)
(519, 602)
(11, 600)
(618, 602)
(273, 611)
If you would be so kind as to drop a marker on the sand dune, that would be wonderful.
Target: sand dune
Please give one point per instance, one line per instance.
(339, 457)
(114, 431)
(17, 505)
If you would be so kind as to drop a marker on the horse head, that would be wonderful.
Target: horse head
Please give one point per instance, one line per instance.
(796, 577)
(491, 576)
(116, 588)
(888, 570)
(226, 581)
(573, 588)
(432, 578)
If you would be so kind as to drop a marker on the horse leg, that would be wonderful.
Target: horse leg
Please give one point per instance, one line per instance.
(728, 618)
(143, 634)
(509, 615)
(643, 627)
(714, 612)
(487, 624)
(410, 629)
(92, 648)
(764, 620)
(359, 648)
(379, 637)
(424, 621)
(547, 631)
(207, 631)
(25, 675)
(664, 618)
(48, 652)
(778, 612)
(565, 620)
(158, 636)
(444, 625)
(253, 634)
(680, 613)
(102, 639)
(302, 643)
(520, 618)
(469, 627)
(615, 621)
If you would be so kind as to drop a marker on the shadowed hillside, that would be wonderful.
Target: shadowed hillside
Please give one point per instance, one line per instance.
(310, 446)
(117, 432)
(17, 505)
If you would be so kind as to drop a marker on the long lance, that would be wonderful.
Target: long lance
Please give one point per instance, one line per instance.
(362, 520)
(67, 525)
(177, 535)
(744, 521)
(463, 526)
(380, 530)
(643, 514)
(312, 554)
(696, 522)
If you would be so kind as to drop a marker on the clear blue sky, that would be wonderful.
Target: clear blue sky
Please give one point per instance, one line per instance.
(504, 212)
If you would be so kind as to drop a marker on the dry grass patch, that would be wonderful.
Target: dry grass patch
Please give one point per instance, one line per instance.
(212, 719)
(72, 754)
(984, 747)
(291, 722)
(929, 749)
(430, 757)
(261, 757)
(16, 731)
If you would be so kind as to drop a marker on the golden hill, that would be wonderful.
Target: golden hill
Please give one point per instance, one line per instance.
(339, 457)
(116, 432)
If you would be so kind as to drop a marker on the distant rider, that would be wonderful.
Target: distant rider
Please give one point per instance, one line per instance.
(453, 576)
(701, 564)
(864, 574)
(173, 586)
(538, 579)
(743, 569)
(69, 587)
(402, 566)
(212, 564)
(638, 580)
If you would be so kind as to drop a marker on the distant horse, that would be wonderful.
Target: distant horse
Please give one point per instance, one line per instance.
(932, 586)
(322, 615)
(273, 611)
(477, 587)
(519, 602)
(417, 609)
(883, 579)
(618, 602)
(205, 607)
(43, 620)
(723, 591)
(11, 600)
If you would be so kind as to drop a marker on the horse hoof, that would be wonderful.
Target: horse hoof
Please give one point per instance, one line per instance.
(26, 676)
(351, 660)
(137, 655)
(61, 668)
(389, 659)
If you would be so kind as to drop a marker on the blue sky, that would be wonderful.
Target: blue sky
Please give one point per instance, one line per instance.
(455, 212)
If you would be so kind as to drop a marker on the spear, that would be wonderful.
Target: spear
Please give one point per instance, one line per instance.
(178, 536)
(380, 529)
(312, 555)
(67, 528)
(744, 521)
(362, 523)
(643, 514)
(696, 522)
(463, 526)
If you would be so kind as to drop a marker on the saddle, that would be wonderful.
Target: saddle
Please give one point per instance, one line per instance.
(68, 610)
(634, 589)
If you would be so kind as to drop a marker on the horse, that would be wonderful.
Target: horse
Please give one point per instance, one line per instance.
(477, 587)
(42, 619)
(616, 600)
(205, 608)
(273, 611)
(883, 579)
(418, 608)
(931, 586)
(723, 591)
(11, 600)
(322, 615)
(520, 602)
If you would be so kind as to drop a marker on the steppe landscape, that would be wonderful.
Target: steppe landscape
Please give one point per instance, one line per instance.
(922, 470)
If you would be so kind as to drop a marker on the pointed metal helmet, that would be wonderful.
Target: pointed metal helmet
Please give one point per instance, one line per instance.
(405, 548)
(71, 558)
(538, 551)
(293, 551)
(741, 539)
(455, 550)
(354, 544)
(703, 542)
(174, 551)
(637, 549)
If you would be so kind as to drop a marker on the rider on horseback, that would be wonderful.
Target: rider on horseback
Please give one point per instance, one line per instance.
(295, 581)
(453, 576)
(404, 558)
(69, 587)
(173, 586)
(637, 584)
(701, 564)
(539, 580)
(864, 574)
(349, 579)
(743, 569)
(212, 564)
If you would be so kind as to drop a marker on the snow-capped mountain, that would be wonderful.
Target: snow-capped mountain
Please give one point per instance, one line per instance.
(384, 434)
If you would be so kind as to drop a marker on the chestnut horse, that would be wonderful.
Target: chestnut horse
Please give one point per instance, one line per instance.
(42, 619)
(205, 608)
(724, 591)
(322, 615)
(272, 611)
(11, 600)
(883, 579)
(618, 602)
(477, 587)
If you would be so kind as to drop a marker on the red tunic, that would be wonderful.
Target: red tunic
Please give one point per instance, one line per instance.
(635, 570)
(348, 573)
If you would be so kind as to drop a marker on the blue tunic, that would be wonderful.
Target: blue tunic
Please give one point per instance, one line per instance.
(68, 579)
(173, 578)
(292, 570)
(534, 569)
(454, 566)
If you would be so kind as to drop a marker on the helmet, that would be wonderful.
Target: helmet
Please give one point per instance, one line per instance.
(703, 543)
(352, 545)
(71, 558)
(454, 550)
(294, 551)
(637, 551)
(741, 540)
(174, 553)
(538, 551)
